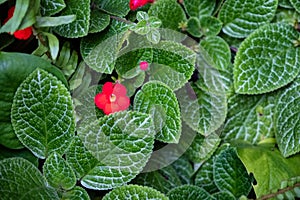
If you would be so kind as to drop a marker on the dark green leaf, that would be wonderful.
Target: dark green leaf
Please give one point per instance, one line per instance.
(51, 7)
(196, 8)
(188, 192)
(119, 8)
(98, 21)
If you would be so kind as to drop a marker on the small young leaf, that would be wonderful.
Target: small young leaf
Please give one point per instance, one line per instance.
(20, 179)
(286, 119)
(240, 17)
(134, 192)
(188, 192)
(51, 7)
(80, 26)
(169, 12)
(58, 172)
(53, 21)
(210, 26)
(158, 99)
(124, 145)
(197, 9)
(42, 114)
(53, 44)
(193, 27)
(267, 60)
(230, 174)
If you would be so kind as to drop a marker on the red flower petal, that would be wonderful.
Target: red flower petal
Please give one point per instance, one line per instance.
(135, 4)
(23, 34)
(123, 102)
(119, 90)
(108, 88)
(10, 12)
(101, 100)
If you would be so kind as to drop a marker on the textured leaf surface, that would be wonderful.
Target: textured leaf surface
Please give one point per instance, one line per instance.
(14, 68)
(275, 168)
(124, 144)
(172, 64)
(42, 114)
(223, 196)
(158, 100)
(267, 60)
(58, 173)
(20, 179)
(296, 5)
(80, 26)
(184, 169)
(77, 193)
(23, 153)
(188, 192)
(119, 8)
(51, 7)
(210, 26)
(287, 120)
(169, 12)
(203, 147)
(218, 52)
(249, 118)
(98, 21)
(204, 111)
(196, 8)
(241, 17)
(230, 174)
(132, 192)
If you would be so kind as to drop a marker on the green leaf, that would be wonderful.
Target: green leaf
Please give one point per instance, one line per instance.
(287, 16)
(204, 111)
(158, 100)
(188, 192)
(241, 18)
(286, 119)
(172, 64)
(218, 52)
(23, 153)
(51, 7)
(98, 21)
(14, 68)
(230, 174)
(197, 9)
(53, 44)
(42, 114)
(20, 179)
(285, 4)
(210, 26)
(184, 169)
(80, 26)
(119, 8)
(249, 118)
(193, 27)
(134, 192)
(169, 12)
(77, 193)
(100, 51)
(268, 166)
(223, 196)
(296, 5)
(267, 60)
(124, 145)
(205, 177)
(203, 147)
(58, 173)
(134, 83)
(53, 21)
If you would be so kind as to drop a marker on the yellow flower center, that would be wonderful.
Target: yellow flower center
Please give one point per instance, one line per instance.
(112, 98)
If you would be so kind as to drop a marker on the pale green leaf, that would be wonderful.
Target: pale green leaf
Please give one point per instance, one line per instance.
(51, 7)
(203, 110)
(203, 147)
(287, 119)
(119, 8)
(230, 174)
(296, 5)
(132, 192)
(20, 179)
(77, 193)
(153, 36)
(98, 21)
(218, 52)
(188, 192)
(14, 68)
(249, 118)
(42, 114)
(169, 12)
(196, 8)
(240, 17)
(124, 145)
(80, 26)
(2, 1)
(268, 166)
(53, 44)
(210, 26)
(141, 15)
(267, 60)
(158, 100)
(58, 172)
(53, 21)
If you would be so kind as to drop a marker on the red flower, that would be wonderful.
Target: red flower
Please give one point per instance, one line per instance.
(112, 98)
(144, 65)
(135, 4)
(23, 34)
